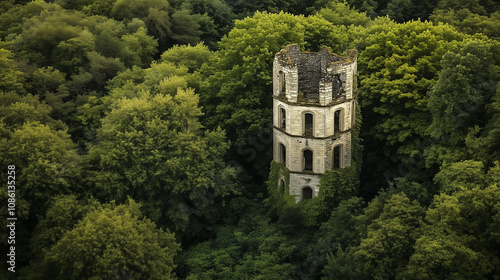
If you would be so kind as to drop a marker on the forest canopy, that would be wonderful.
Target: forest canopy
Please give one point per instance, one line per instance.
(139, 138)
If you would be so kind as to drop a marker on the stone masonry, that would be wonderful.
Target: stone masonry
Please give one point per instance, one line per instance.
(313, 114)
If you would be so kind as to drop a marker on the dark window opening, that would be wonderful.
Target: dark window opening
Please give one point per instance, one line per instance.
(281, 187)
(337, 120)
(308, 124)
(283, 118)
(282, 82)
(283, 153)
(336, 157)
(308, 160)
(307, 193)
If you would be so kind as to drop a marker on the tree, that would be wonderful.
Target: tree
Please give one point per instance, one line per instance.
(465, 175)
(193, 57)
(338, 234)
(185, 25)
(11, 22)
(155, 13)
(111, 243)
(55, 38)
(251, 249)
(398, 71)
(62, 214)
(466, 83)
(388, 245)
(15, 111)
(340, 13)
(460, 238)
(46, 165)
(11, 77)
(342, 266)
(138, 48)
(470, 23)
(152, 149)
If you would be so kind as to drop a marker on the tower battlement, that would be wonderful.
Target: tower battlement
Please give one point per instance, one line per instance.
(317, 78)
(313, 114)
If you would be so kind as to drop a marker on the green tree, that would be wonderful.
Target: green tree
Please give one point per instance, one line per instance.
(457, 101)
(467, 22)
(46, 165)
(388, 245)
(193, 57)
(155, 13)
(472, 5)
(48, 80)
(342, 266)
(397, 69)
(466, 175)
(55, 38)
(17, 110)
(185, 25)
(339, 13)
(11, 77)
(340, 231)
(64, 212)
(251, 249)
(139, 48)
(99, 7)
(460, 239)
(219, 13)
(11, 22)
(111, 243)
(152, 148)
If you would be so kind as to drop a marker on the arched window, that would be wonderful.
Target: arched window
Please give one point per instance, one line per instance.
(281, 187)
(282, 118)
(307, 193)
(308, 160)
(308, 124)
(283, 153)
(338, 120)
(337, 156)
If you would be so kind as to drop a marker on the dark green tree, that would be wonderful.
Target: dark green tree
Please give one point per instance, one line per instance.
(110, 243)
(466, 83)
(152, 148)
(459, 240)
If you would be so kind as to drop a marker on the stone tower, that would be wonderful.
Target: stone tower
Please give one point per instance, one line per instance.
(313, 115)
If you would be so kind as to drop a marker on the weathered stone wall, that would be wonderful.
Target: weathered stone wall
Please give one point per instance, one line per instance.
(322, 150)
(314, 72)
(299, 180)
(323, 117)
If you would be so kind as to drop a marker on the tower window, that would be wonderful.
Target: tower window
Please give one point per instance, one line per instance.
(282, 82)
(337, 155)
(338, 118)
(308, 160)
(283, 153)
(282, 118)
(307, 193)
(308, 124)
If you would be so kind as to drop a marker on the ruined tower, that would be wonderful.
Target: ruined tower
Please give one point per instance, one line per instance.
(313, 115)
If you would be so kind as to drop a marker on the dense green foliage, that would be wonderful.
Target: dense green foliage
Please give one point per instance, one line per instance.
(141, 137)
